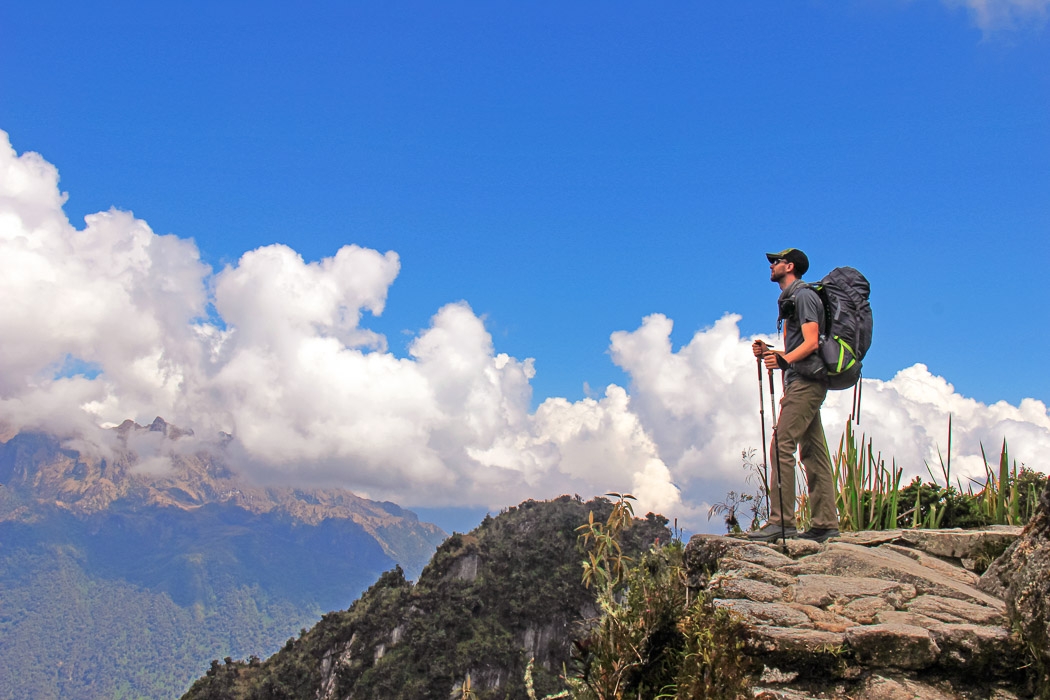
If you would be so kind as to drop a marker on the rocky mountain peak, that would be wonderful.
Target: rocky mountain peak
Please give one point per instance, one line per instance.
(159, 425)
(37, 469)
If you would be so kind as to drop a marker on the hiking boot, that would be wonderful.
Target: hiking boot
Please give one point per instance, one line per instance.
(771, 532)
(819, 534)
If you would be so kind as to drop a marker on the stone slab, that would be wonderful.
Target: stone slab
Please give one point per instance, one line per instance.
(955, 611)
(824, 619)
(902, 617)
(775, 614)
(845, 559)
(822, 590)
(761, 554)
(745, 569)
(732, 587)
(977, 649)
(795, 640)
(892, 645)
(960, 543)
(863, 611)
(930, 561)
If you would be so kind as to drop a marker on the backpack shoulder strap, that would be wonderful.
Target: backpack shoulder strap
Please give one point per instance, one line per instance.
(787, 308)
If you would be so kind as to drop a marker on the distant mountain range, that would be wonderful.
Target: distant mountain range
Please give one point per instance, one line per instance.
(123, 575)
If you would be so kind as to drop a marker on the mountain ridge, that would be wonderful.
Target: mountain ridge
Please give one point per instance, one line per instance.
(42, 469)
(125, 566)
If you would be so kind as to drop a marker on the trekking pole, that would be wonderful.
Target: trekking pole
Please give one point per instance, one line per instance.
(762, 417)
(860, 393)
(780, 487)
(772, 398)
(776, 456)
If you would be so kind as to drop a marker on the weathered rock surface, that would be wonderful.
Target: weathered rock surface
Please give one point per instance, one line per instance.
(874, 615)
(1022, 577)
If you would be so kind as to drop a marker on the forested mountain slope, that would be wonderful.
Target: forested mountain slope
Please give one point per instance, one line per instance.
(488, 603)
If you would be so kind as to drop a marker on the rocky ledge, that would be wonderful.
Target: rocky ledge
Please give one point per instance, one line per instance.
(870, 615)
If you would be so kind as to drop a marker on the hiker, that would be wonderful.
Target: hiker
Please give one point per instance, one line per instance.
(799, 425)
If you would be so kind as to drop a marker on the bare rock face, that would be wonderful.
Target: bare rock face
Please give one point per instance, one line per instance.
(893, 646)
(164, 466)
(895, 614)
(1022, 577)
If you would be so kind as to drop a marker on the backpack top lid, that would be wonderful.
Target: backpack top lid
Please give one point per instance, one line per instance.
(850, 279)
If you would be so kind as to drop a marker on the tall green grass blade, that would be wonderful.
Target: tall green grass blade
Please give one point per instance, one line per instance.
(948, 469)
(915, 521)
(891, 516)
(1004, 480)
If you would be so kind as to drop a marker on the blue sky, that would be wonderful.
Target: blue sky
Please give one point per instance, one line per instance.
(568, 169)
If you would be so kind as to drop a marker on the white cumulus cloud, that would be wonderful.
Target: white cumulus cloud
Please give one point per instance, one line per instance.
(701, 405)
(112, 321)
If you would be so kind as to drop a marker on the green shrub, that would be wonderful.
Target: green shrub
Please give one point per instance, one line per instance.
(654, 637)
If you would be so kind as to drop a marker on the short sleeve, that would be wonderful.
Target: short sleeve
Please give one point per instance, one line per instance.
(808, 307)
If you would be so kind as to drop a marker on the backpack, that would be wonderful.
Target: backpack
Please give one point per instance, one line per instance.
(847, 324)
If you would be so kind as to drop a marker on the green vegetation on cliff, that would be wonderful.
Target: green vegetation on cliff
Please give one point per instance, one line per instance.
(658, 636)
(488, 603)
(65, 633)
(131, 603)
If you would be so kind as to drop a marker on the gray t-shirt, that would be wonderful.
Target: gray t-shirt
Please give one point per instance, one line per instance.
(807, 309)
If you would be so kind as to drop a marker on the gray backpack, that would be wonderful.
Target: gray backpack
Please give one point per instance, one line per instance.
(847, 324)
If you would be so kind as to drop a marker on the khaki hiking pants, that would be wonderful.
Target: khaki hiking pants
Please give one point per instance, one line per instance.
(799, 426)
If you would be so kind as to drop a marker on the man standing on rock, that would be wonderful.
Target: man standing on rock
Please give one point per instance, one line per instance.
(799, 425)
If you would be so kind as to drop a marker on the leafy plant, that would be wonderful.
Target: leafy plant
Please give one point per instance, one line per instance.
(1011, 496)
(715, 663)
(757, 503)
(606, 562)
(867, 492)
(655, 637)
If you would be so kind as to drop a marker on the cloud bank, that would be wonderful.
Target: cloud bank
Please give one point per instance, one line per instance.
(113, 321)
